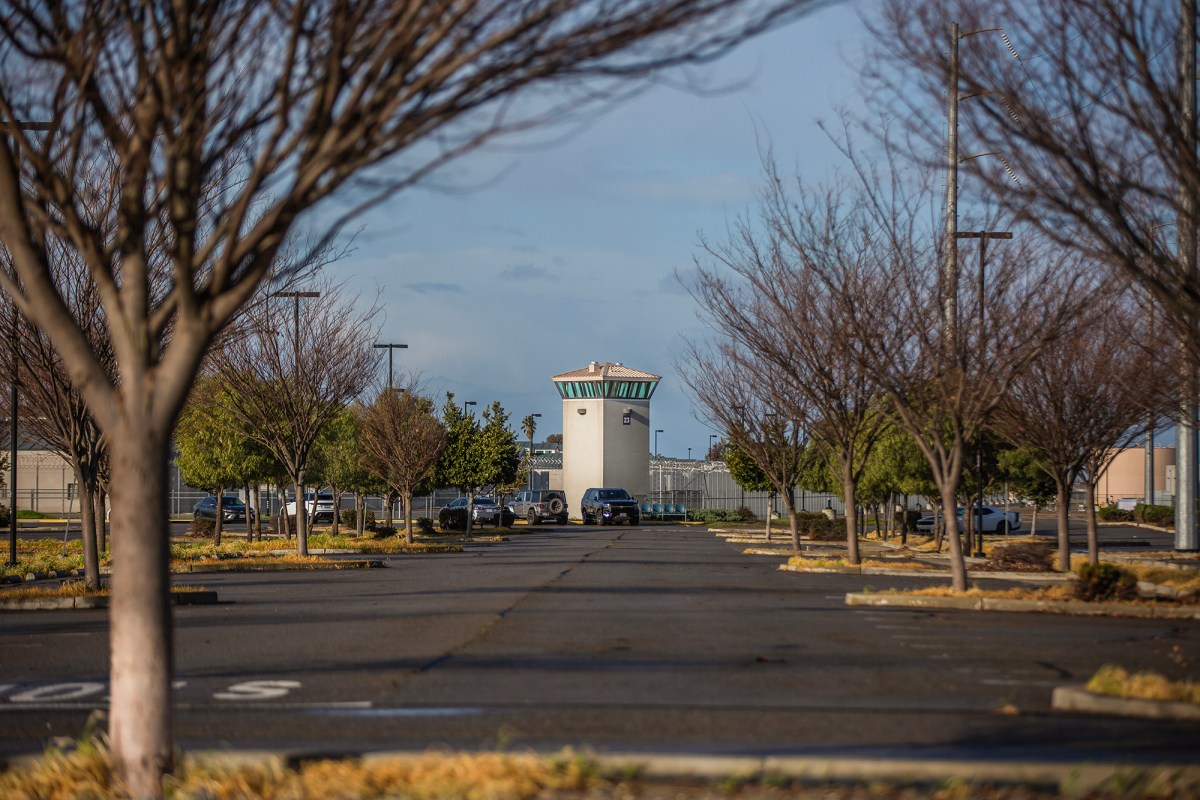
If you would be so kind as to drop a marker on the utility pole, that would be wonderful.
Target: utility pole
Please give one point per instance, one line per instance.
(1186, 452)
(950, 245)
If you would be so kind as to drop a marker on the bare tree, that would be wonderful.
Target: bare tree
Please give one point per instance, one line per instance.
(783, 289)
(224, 123)
(1086, 104)
(282, 392)
(54, 411)
(737, 392)
(1083, 399)
(402, 440)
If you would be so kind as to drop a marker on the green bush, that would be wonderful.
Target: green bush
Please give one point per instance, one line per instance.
(1114, 514)
(1154, 515)
(819, 527)
(720, 514)
(424, 526)
(1100, 582)
(349, 518)
(3, 516)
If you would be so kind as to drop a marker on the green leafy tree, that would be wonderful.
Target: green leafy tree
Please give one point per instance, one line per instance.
(747, 474)
(476, 456)
(1027, 480)
(337, 461)
(213, 452)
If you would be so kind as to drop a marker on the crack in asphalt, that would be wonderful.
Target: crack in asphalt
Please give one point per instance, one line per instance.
(502, 614)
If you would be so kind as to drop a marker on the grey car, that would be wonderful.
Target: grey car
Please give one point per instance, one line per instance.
(539, 505)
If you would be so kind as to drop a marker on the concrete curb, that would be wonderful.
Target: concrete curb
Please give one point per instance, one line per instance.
(1077, 698)
(934, 572)
(287, 566)
(1075, 607)
(204, 598)
(1079, 777)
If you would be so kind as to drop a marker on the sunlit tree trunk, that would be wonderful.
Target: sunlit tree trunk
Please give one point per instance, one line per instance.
(1064, 522)
(849, 492)
(140, 618)
(87, 529)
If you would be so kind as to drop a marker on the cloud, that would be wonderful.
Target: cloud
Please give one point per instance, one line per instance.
(434, 288)
(526, 272)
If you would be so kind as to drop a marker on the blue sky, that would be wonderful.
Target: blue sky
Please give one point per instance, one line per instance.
(553, 252)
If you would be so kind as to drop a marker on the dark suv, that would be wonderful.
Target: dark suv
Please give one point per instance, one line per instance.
(603, 506)
(537, 505)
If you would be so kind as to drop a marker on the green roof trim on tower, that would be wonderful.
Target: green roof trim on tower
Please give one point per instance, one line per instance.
(604, 380)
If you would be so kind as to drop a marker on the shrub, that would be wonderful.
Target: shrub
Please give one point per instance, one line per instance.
(1154, 515)
(424, 526)
(204, 526)
(3, 515)
(1022, 557)
(720, 514)
(349, 518)
(906, 520)
(1099, 582)
(819, 527)
(1114, 514)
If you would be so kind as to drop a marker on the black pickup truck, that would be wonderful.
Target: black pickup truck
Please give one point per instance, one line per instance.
(602, 506)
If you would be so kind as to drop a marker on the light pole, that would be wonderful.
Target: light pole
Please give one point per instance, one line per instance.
(301, 510)
(983, 237)
(657, 467)
(12, 395)
(689, 454)
(530, 481)
(390, 349)
(467, 403)
(708, 455)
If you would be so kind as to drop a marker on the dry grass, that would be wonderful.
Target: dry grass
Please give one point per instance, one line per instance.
(85, 772)
(827, 563)
(73, 589)
(1115, 681)
(1040, 593)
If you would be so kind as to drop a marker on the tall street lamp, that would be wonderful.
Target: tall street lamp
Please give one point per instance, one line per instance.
(530, 479)
(983, 237)
(468, 403)
(708, 455)
(390, 349)
(657, 467)
(301, 510)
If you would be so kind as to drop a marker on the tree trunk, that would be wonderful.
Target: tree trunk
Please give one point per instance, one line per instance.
(958, 567)
(101, 522)
(406, 501)
(1064, 522)
(140, 710)
(360, 513)
(770, 503)
(849, 490)
(256, 530)
(285, 523)
(301, 517)
(251, 513)
(1033, 521)
(217, 523)
(337, 511)
(470, 514)
(789, 505)
(406, 498)
(1093, 533)
(87, 530)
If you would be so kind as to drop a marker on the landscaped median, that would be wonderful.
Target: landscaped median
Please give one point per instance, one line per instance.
(975, 600)
(1113, 690)
(74, 595)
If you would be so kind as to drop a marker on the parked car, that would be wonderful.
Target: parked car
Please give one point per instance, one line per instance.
(319, 506)
(992, 520)
(232, 509)
(539, 505)
(602, 506)
(485, 510)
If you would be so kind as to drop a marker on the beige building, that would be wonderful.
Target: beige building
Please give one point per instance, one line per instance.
(1125, 477)
(606, 429)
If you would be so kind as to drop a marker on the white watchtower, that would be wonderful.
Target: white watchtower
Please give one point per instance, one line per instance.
(606, 429)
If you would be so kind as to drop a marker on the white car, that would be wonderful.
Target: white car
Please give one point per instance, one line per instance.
(318, 505)
(992, 520)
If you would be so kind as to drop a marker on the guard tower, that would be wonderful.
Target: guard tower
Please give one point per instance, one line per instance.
(606, 429)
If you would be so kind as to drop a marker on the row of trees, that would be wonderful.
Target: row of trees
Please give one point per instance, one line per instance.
(844, 308)
(833, 322)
